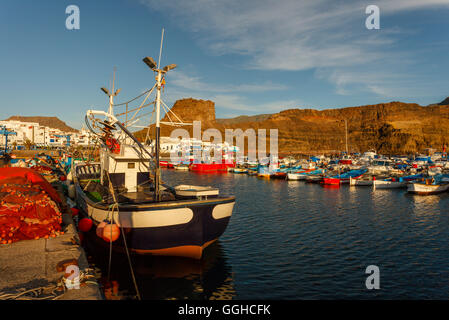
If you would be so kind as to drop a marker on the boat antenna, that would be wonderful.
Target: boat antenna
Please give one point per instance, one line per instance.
(160, 49)
(111, 94)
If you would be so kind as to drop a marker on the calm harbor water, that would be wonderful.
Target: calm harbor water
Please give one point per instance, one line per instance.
(292, 240)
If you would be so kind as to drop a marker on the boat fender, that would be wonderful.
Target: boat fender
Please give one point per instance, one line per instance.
(100, 228)
(111, 232)
(85, 224)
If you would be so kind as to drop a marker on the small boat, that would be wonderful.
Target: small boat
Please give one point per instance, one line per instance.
(296, 176)
(252, 172)
(344, 177)
(240, 170)
(314, 178)
(182, 167)
(395, 183)
(302, 175)
(389, 184)
(166, 164)
(278, 175)
(429, 186)
(209, 167)
(361, 181)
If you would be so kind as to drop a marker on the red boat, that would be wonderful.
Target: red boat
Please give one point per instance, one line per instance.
(165, 164)
(331, 181)
(345, 161)
(278, 175)
(343, 178)
(210, 167)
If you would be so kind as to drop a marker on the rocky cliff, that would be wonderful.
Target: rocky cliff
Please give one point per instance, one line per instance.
(393, 127)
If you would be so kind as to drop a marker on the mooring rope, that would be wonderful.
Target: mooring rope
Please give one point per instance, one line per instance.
(50, 292)
(124, 239)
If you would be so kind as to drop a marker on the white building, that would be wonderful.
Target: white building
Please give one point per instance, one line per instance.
(42, 135)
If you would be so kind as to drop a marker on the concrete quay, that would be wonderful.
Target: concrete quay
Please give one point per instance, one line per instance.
(30, 264)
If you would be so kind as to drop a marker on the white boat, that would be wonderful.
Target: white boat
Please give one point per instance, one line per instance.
(389, 184)
(360, 182)
(296, 176)
(428, 187)
(182, 167)
(381, 166)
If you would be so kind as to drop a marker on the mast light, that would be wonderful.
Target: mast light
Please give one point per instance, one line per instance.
(150, 62)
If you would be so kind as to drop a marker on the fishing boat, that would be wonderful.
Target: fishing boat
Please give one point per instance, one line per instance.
(252, 172)
(125, 189)
(296, 176)
(344, 177)
(240, 170)
(302, 175)
(346, 160)
(361, 181)
(428, 186)
(380, 166)
(395, 183)
(166, 164)
(278, 175)
(182, 167)
(210, 167)
(314, 178)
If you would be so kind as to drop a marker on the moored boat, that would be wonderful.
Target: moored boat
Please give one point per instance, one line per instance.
(344, 177)
(125, 188)
(278, 175)
(429, 186)
(240, 170)
(182, 167)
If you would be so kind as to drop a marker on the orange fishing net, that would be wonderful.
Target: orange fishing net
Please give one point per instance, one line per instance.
(26, 211)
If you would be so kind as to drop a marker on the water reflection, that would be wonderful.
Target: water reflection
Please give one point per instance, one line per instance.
(166, 277)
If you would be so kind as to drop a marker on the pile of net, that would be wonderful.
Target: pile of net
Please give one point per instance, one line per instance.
(28, 206)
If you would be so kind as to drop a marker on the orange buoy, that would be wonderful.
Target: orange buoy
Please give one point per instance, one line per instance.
(100, 228)
(85, 224)
(111, 232)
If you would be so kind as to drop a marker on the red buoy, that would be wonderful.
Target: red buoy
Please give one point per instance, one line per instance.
(75, 212)
(85, 224)
(111, 232)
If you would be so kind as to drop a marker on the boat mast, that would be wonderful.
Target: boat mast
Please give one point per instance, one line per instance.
(111, 94)
(157, 176)
(159, 73)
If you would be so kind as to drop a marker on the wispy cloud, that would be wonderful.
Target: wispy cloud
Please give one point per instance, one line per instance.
(296, 35)
(195, 83)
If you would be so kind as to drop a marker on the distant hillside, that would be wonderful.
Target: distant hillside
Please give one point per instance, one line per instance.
(390, 128)
(52, 122)
(240, 119)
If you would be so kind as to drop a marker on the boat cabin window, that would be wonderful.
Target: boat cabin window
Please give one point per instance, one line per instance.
(131, 165)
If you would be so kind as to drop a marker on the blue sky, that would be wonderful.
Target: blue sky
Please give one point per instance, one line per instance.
(250, 57)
